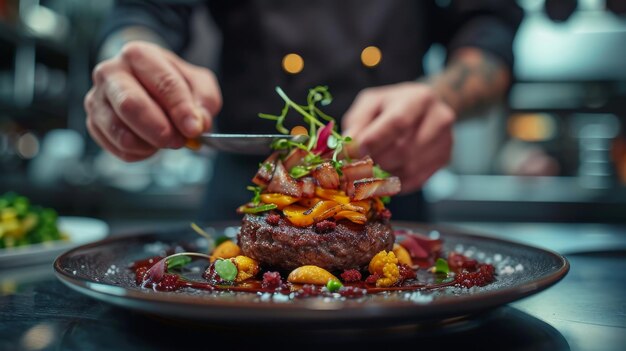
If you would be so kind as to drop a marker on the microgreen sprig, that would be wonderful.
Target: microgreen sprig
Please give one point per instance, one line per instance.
(307, 116)
(256, 199)
(210, 241)
(318, 95)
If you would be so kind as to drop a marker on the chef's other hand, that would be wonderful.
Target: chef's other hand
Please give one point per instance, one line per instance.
(406, 128)
(147, 98)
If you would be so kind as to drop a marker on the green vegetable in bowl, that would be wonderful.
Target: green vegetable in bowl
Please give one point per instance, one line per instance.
(22, 223)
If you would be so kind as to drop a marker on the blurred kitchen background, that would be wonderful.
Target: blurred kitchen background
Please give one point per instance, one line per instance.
(555, 153)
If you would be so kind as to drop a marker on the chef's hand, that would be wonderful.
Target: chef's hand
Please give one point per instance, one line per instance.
(147, 98)
(406, 128)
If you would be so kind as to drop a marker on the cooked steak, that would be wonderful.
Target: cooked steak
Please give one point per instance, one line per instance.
(277, 244)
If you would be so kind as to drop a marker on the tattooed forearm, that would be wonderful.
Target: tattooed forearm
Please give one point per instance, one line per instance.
(472, 81)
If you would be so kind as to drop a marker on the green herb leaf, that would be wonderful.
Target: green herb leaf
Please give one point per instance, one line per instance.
(320, 94)
(385, 199)
(256, 199)
(338, 166)
(226, 269)
(299, 171)
(178, 261)
(333, 285)
(332, 142)
(380, 173)
(313, 159)
(441, 266)
(280, 144)
(257, 209)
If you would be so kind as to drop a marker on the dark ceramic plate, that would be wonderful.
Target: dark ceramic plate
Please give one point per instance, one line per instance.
(100, 270)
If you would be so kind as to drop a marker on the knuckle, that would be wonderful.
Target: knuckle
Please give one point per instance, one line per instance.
(401, 123)
(212, 78)
(129, 104)
(366, 94)
(101, 71)
(167, 84)
(89, 124)
(447, 116)
(89, 101)
(213, 103)
(133, 50)
(427, 94)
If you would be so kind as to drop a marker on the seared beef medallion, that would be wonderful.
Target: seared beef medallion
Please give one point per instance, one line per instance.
(284, 247)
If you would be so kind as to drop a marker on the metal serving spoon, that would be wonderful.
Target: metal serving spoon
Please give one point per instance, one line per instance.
(250, 144)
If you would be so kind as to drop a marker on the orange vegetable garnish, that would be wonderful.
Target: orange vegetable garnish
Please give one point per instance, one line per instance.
(328, 203)
(308, 203)
(333, 195)
(364, 204)
(304, 217)
(278, 199)
(378, 204)
(331, 212)
(353, 216)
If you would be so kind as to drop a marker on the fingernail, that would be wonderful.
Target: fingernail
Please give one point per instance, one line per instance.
(193, 125)
(204, 116)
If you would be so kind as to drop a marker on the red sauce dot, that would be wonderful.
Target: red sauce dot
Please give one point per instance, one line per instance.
(168, 283)
(352, 291)
(140, 274)
(406, 272)
(271, 280)
(484, 275)
(372, 278)
(351, 276)
(309, 290)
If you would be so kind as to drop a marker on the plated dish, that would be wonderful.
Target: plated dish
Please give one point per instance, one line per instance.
(315, 236)
(78, 231)
(23, 223)
(32, 234)
(103, 271)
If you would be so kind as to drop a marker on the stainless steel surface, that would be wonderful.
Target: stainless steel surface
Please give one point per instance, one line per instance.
(250, 144)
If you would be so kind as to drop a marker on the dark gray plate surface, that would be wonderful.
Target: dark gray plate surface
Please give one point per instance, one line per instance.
(100, 270)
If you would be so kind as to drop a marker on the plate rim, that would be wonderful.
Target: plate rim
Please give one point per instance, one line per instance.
(400, 309)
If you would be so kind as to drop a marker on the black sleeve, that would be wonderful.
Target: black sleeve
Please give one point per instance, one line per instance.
(167, 18)
(486, 24)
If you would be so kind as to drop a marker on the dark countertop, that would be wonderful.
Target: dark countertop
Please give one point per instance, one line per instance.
(585, 311)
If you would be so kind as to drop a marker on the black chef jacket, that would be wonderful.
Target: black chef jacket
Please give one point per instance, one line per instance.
(329, 35)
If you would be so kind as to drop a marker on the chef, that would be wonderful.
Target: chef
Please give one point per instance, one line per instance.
(145, 97)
